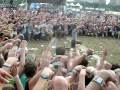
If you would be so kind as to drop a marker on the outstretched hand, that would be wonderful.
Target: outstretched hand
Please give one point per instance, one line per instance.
(8, 45)
(4, 76)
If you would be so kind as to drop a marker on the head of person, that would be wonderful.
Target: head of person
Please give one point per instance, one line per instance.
(115, 66)
(60, 83)
(30, 69)
(84, 63)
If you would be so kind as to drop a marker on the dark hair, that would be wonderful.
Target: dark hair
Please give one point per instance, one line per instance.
(84, 63)
(60, 51)
(115, 66)
(88, 79)
(30, 69)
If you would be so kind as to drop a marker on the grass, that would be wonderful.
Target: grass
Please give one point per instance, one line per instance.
(112, 45)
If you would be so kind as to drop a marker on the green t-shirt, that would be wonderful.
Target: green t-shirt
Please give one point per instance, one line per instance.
(24, 80)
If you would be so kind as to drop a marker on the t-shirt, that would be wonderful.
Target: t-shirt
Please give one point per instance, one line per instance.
(24, 81)
(74, 35)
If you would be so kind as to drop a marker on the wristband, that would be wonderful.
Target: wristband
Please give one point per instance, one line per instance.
(6, 65)
(44, 77)
(99, 80)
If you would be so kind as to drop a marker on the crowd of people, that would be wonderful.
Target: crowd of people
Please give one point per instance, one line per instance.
(43, 23)
(55, 69)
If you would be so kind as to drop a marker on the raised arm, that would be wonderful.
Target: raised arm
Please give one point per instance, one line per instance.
(100, 64)
(14, 73)
(6, 46)
(101, 79)
(22, 56)
(43, 78)
(78, 59)
(81, 83)
(33, 81)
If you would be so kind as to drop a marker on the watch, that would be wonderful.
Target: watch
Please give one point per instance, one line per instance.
(99, 80)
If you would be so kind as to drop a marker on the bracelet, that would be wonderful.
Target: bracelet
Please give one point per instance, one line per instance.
(6, 65)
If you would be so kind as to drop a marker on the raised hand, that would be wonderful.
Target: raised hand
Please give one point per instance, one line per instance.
(47, 72)
(90, 52)
(4, 76)
(8, 45)
(23, 44)
(105, 52)
(79, 67)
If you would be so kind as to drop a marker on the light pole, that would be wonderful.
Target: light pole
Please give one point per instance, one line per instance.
(26, 4)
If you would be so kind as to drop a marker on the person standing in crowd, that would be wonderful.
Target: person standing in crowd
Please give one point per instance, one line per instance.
(54, 69)
(28, 30)
(74, 36)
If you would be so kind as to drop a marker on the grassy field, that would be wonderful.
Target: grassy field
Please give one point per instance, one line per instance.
(113, 46)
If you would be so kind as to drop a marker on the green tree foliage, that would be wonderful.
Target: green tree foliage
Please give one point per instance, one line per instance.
(14, 1)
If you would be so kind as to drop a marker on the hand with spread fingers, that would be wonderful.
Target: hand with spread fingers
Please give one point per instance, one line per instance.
(4, 76)
(8, 46)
